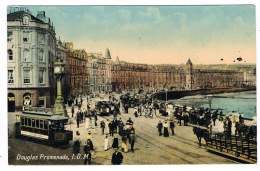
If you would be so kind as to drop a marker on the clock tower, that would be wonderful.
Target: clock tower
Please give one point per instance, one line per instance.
(59, 72)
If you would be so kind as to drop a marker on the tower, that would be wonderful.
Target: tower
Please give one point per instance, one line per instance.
(189, 75)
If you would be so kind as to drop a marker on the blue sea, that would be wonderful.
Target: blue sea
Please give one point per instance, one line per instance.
(242, 102)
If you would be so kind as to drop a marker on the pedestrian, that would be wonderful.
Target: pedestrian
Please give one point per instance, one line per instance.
(115, 140)
(240, 118)
(107, 126)
(87, 122)
(172, 125)
(72, 111)
(89, 136)
(78, 118)
(229, 126)
(106, 143)
(136, 115)
(117, 157)
(93, 122)
(110, 125)
(159, 127)
(102, 126)
(165, 129)
(124, 147)
(76, 146)
(88, 148)
(120, 126)
(132, 140)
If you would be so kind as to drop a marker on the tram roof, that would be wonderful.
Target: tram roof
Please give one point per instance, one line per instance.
(42, 115)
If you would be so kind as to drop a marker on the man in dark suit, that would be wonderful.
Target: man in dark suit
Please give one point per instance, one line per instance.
(117, 157)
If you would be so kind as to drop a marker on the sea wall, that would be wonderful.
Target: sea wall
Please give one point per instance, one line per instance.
(177, 94)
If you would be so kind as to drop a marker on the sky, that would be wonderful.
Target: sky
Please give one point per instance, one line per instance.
(159, 34)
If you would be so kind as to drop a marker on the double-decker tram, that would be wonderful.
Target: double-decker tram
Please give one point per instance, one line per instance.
(43, 126)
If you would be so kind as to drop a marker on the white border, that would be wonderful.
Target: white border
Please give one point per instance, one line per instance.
(3, 75)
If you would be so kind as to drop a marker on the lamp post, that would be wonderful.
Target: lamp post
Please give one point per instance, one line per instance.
(59, 72)
(166, 90)
(210, 97)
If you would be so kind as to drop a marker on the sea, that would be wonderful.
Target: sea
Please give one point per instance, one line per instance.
(240, 102)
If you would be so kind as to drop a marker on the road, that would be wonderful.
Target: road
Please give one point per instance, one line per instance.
(150, 148)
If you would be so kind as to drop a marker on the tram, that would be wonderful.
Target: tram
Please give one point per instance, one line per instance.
(44, 127)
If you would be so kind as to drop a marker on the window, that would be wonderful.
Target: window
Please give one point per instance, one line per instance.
(22, 121)
(41, 58)
(26, 36)
(41, 124)
(25, 20)
(10, 76)
(41, 38)
(37, 124)
(26, 56)
(9, 36)
(10, 54)
(41, 76)
(33, 123)
(26, 76)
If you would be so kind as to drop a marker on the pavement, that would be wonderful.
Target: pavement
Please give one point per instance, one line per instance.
(184, 137)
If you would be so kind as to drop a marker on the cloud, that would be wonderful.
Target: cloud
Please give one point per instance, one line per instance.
(151, 13)
(124, 14)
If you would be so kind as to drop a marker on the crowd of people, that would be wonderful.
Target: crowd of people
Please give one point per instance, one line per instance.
(121, 136)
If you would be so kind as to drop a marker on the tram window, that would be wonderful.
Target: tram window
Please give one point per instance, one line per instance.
(45, 125)
(37, 125)
(22, 120)
(41, 124)
(25, 122)
(29, 122)
(33, 123)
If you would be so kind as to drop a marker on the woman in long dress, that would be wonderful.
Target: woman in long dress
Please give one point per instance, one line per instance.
(106, 143)
(93, 122)
(165, 129)
(115, 140)
(87, 122)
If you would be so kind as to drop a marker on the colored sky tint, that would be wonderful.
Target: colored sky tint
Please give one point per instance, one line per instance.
(159, 34)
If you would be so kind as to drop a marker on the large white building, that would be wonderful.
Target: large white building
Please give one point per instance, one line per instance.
(31, 50)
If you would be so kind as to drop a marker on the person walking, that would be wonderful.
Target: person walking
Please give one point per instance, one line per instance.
(88, 148)
(165, 129)
(117, 157)
(132, 140)
(93, 122)
(159, 127)
(115, 140)
(229, 127)
(106, 143)
(172, 125)
(78, 118)
(72, 111)
(87, 122)
(102, 126)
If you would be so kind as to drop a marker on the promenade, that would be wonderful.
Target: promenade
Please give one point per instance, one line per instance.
(150, 148)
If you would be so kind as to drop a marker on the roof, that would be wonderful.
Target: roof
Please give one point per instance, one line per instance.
(188, 62)
(18, 16)
(42, 115)
(108, 56)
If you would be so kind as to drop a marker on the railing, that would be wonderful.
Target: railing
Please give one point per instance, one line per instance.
(241, 147)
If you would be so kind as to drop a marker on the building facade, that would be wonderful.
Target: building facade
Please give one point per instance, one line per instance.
(87, 72)
(31, 48)
(130, 76)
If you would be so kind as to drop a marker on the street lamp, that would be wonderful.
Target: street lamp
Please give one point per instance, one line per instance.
(59, 72)
(210, 97)
(166, 92)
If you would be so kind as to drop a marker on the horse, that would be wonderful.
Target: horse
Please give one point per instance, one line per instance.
(201, 133)
(241, 129)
